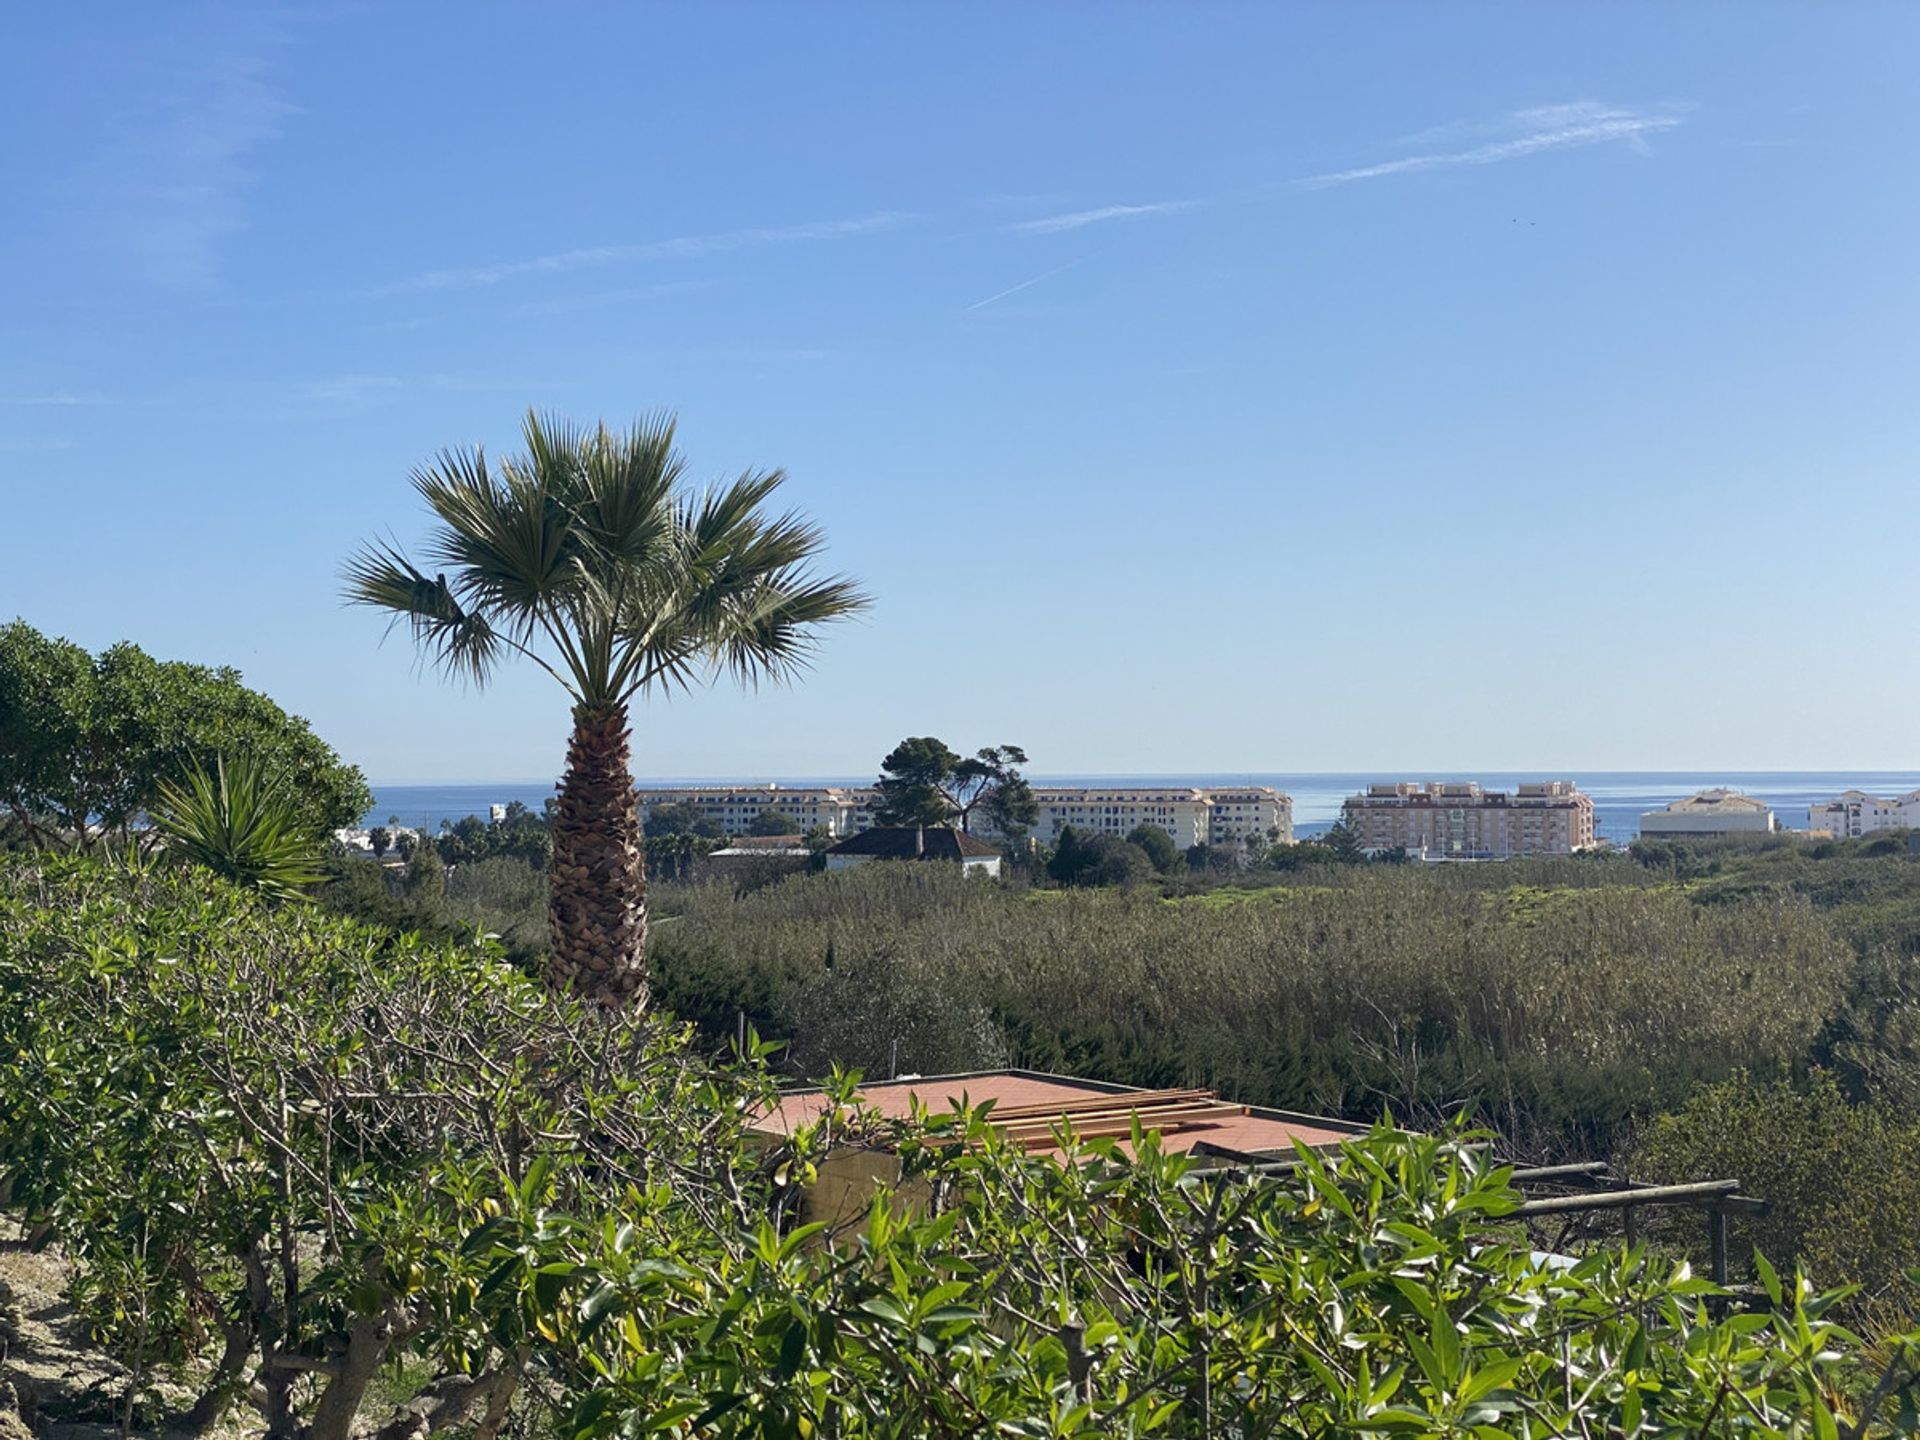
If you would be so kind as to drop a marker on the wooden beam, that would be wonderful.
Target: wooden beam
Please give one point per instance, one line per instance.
(1093, 1104)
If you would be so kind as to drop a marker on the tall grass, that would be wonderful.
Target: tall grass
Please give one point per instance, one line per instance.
(1556, 1014)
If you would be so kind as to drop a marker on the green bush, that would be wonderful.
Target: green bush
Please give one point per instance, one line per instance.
(268, 1138)
(1843, 1179)
(503, 897)
(242, 823)
(288, 1153)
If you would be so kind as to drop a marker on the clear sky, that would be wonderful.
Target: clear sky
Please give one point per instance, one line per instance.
(1197, 387)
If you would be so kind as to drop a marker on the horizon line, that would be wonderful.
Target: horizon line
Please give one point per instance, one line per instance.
(1039, 777)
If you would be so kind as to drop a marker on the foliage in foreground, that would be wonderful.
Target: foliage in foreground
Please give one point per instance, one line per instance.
(86, 740)
(286, 1152)
(268, 1138)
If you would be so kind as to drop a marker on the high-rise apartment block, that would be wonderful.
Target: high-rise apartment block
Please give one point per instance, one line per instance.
(1465, 821)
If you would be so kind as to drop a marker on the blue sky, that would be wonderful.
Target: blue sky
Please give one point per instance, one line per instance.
(1196, 387)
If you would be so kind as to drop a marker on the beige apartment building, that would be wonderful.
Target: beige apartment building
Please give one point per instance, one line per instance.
(1465, 821)
(844, 810)
(1192, 815)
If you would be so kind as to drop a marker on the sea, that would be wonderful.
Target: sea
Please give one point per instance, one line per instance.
(1620, 797)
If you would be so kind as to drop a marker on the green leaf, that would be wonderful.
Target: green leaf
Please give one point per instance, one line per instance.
(881, 1307)
(1446, 1346)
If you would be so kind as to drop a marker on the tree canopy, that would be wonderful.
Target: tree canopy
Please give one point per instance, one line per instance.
(925, 782)
(1157, 845)
(86, 741)
(911, 789)
(682, 817)
(1094, 860)
(773, 822)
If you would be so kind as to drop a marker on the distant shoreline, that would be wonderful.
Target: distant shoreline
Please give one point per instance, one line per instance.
(1620, 797)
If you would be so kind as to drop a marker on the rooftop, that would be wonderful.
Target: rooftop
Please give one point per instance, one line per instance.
(907, 842)
(1717, 800)
(1028, 1104)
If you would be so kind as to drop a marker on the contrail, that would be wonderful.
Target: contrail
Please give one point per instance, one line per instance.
(1016, 289)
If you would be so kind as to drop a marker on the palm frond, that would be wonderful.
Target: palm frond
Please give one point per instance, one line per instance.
(773, 631)
(589, 546)
(717, 519)
(627, 483)
(459, 641)
(504, 535)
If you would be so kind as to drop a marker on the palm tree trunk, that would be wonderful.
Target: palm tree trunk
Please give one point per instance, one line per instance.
(597, 903)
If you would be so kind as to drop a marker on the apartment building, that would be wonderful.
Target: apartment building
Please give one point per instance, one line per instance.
(1711, 812)
(1192, 815)
(1858, 813)
(1465, 821)
(844, 810)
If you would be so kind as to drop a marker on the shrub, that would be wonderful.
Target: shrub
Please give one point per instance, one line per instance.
(243, 824)
(286, 1152)
(281, 1145)
(1843, 1178)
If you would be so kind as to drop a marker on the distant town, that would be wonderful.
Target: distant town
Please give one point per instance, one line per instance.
(1429, 820)
(1451, 819)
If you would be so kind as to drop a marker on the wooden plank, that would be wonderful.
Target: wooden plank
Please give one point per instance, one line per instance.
(1131, 1100)
(1125, 1117)
(1122, 1126)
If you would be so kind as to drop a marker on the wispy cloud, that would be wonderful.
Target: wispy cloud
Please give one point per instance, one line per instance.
(1076, 219)
(682, 247)
(609, 299)
(57, 398)
(345, 393)
(1025, 284)
(168, 188)
(1531, 131)
(327, 396)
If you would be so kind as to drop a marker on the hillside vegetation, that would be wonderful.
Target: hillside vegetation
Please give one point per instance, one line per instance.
(292, 1156)
(1556, 1014)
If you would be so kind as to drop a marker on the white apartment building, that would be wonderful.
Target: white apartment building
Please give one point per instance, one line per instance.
(1858, 813)
(1711, 812)
(844, 810)
(1197, 815)
(1193, 816)
(1464, 821)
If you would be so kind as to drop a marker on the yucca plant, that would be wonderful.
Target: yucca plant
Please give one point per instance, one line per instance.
(590, 555)
(241, 822)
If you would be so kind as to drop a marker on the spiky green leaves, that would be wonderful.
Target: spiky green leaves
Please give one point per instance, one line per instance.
(243, 823)
(589, 554)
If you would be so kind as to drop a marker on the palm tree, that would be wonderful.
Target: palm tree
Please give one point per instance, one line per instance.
(591, 556)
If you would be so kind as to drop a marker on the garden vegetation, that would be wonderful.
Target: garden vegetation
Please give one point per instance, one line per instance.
(290, 1154)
